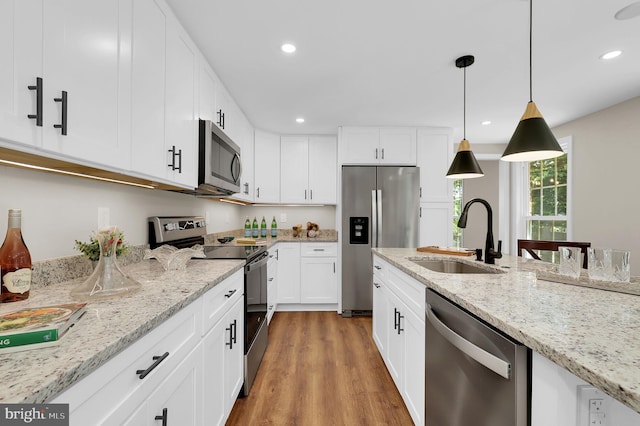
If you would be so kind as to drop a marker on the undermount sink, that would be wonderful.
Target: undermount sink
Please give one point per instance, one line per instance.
(451, 266)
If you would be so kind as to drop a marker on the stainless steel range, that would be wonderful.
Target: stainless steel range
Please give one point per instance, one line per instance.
(186, 231)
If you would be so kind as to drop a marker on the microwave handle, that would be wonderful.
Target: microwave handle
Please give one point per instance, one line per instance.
(236, 159)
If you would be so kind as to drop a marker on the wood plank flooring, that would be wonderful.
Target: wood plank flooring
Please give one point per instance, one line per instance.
(321, 369)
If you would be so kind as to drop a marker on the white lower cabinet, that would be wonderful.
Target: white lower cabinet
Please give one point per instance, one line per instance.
(272, 282)
(307, 276)
(399, 332)
(188, 370)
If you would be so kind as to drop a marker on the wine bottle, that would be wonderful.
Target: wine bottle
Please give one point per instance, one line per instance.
(247, 228)
(263, 228)
(15, 262)
(254, 228)
(274, 228)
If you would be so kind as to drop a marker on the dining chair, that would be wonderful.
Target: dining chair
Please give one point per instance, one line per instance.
(531, 245)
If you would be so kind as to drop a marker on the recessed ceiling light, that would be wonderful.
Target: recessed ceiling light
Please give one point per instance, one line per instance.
(630, 11)
(299, 120)
(611, 55)
(288, 48)
(486, 122)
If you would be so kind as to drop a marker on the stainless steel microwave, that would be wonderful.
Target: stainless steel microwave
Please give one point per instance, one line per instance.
(219, 164)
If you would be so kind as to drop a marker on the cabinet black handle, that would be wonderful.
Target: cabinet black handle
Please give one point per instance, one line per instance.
(231, 292)
(235, 331)
(277, 255)
(377, 267)
(38, 115)
(258, 192)
(63, 125)
(233, 334)
(395, 319)
(270, 279)
(376, 284)
(376, 153)
(400, 317)
(311, 194)
(163, 417)
(175, 154)
(383, 153)
(246, 188)
(305, 194)
(220, 119)
(157, 360)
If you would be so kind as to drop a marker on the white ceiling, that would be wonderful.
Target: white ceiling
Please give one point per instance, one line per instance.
(392, 63)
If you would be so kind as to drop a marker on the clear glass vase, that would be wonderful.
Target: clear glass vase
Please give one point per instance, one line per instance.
(107, 279)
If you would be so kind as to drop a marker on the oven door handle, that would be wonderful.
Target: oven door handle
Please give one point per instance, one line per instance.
(258, 263)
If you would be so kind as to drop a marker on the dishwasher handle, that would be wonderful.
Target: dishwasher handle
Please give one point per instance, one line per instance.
(483, 357)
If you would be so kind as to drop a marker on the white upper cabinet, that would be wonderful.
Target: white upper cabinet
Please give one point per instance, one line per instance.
(245, 139)
(86, 80)
(435, 152)
(308, 169)
(207, 97)
(21, 53)
(378, 145)
(267, 167)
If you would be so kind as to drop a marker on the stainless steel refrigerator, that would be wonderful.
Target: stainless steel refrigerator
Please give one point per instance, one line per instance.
(380, 208)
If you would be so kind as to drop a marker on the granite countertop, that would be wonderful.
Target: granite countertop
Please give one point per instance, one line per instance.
(284, 236)
(592, 333)
(108, 327)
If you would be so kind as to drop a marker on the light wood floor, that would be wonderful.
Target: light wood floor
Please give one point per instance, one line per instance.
(321, 369)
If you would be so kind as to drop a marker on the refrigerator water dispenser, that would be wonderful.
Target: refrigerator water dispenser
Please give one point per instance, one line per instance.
(358, 230)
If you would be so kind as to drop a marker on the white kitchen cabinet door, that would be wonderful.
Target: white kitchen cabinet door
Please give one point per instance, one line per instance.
(272, 282)
(245, 139)
(294, 175)
(379, 316)
(413, 373)
(323, 169)
(223, 365)
(395, 347)
(267, 167)
(21, 53)
(288, 273)
(436, 224)
(181, 124)
(435, 153)
(359, 145)
(319, 282)
(148, 90)
(224, 118)
(86, 60)
(207, 93)
(178, 399)
(397, 146)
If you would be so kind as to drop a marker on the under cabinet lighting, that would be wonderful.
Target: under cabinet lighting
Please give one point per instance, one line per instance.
(65, 172)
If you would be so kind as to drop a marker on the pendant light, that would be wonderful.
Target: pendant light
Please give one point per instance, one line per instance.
(532, 139)
(464, 165)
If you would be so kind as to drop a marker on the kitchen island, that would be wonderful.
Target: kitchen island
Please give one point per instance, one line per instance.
(591, 333)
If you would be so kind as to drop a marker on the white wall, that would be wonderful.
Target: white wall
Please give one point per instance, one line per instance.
(56, 209)
(487, 188)
(606, 150)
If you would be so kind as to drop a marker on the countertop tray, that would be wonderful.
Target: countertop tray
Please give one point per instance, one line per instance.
(455, 251)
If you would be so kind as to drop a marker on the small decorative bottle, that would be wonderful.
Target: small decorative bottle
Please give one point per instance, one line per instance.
(247, 228)
(254, 228)
(274, 228)
(15, 262)
(263, 228)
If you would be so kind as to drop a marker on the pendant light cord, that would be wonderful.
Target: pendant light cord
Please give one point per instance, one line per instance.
(464, 104)
(530, 50)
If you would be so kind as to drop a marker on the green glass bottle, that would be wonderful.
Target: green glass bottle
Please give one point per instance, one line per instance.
(254, 228)
(247, 228)
(263, 228)
(274, 228)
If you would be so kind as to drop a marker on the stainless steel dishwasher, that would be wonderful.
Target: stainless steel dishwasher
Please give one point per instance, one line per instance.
(475, 375)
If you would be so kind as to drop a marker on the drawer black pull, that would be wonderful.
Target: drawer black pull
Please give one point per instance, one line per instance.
(377, 267)
(230, 293)
(38, 115)
(157, 360)
(163, 417)
(63, 125)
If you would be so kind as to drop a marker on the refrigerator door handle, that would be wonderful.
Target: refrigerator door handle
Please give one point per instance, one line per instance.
(379, 216)
(374, 219)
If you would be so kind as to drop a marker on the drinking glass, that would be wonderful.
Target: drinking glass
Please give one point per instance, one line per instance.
(570, 263)
(599, 263)
(620, 268)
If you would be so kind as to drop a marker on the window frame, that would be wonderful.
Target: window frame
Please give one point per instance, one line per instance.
(522, 196)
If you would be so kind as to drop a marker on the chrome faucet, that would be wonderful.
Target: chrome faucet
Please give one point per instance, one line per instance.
(489, 253)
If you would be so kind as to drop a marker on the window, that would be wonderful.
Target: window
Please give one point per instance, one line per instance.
(457, 210)
(547, 213)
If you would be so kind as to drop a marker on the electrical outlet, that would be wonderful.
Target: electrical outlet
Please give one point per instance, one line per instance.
(283, 217)
(103, 217)
(592, 406)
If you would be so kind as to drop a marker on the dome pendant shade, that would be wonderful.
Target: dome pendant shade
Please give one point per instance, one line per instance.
(464, 165)
(532, 139)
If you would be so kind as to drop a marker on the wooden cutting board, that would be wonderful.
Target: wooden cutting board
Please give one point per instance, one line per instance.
(447, 250)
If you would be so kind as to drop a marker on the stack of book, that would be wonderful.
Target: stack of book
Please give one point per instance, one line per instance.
(38, 327)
